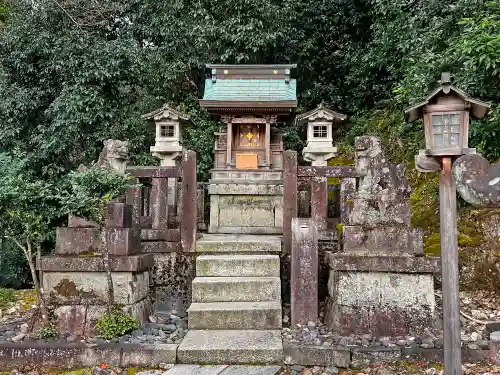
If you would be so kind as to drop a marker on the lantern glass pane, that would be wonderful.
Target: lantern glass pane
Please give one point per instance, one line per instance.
(167, 131)
(446, 130)
(437, 120)
(320, 131)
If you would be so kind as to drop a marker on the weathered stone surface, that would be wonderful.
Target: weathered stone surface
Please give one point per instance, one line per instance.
(160, 247)
(235, 315)
(253, 188)
(382, 304)
(376, 210)
(114, 155)
(364, 357)
(238, 265)
(228, 289)
(251, 370)
(196, 370)
(71, 319)
(169, 235)
(80, 222)
(494, 352)
(234, 243)
(75, 241)
(383, 239)
(231, 347)
(477, 181)
(119, 215)
(173, 274)
(132, 263)
(91, 287)
(382, 263)
(123, 241)
(76, 355)
(148, 356)
(304, 271)
(316, 355)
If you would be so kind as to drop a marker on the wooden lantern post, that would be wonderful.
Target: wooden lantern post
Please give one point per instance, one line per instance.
(446, 123)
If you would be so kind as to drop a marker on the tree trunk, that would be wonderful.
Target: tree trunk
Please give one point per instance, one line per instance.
(107, 267)
(36, 283)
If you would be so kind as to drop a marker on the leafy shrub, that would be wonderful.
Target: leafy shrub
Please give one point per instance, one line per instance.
(6, 296)
(116, 324)
(49, 332)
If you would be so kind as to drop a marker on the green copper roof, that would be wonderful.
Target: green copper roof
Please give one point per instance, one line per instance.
(250, 90)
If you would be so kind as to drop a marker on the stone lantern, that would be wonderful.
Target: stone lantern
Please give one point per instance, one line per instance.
(319, 122)
(446, 113)
(168, 141)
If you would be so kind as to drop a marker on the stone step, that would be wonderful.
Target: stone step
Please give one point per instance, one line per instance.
(236, 289)
(238, 243)
(238, 265)
(235, 315)
(231, 347)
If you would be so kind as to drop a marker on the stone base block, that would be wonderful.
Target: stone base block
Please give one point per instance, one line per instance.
(81, 320)
(76, 241)
(380, 303)
(494, 352)
(316, 356)
(369, 211)
(123, 241)
(395, 239)
(251, 208)
(173, 274)
(66, 288)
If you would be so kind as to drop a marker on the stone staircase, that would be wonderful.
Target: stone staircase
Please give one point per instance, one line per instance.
(235, 315)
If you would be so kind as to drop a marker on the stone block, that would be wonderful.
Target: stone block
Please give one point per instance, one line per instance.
(235, 315)
(252, 188)
(148, 356)
(119, 215)
(372, 211)
(383, 263)
(384, 239)
(383, 304)
(76, 241)
(131, 263)
(366, 357)
(123, 241)
(304, 271)
(160, 247)
(196, 370)
(234, 243)
(252, 370)
(169, 235)
(307, 355)
(494, 351)
(71, 319)
(243, 289)
(91, 287)
(246, 211)
(238, 265)
(231, 347)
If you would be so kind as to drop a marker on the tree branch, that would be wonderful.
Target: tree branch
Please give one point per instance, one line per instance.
(67, 13)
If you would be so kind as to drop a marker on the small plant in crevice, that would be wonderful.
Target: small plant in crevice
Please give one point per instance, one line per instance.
(49, 332)
(116, 324)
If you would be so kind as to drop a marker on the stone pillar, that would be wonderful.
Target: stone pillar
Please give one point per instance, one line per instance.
(347, 191)
(159, 203)
(319, 202)
(304, 271)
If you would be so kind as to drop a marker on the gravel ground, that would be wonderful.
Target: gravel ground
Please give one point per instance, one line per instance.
(480, 317)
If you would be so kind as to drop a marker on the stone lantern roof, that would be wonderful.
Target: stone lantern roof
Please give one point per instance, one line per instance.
(320, 112)
(165, 111)
(478, 109)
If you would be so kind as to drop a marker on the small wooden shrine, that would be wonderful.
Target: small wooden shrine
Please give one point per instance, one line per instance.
(249, 99)
(246, 189)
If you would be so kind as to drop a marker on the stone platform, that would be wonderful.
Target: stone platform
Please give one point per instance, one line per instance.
(254, 207)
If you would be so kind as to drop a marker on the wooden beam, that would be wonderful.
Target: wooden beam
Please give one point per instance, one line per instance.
(449, 269)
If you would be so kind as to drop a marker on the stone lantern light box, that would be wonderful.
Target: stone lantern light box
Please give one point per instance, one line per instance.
(319, 121)
(446, 114)
(169, 128)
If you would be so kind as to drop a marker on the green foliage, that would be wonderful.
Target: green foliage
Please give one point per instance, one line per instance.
(90, 189)
(49, 332)
(6, 296)
(116, 324)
